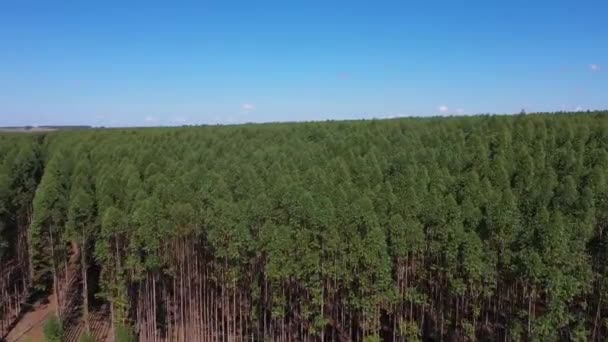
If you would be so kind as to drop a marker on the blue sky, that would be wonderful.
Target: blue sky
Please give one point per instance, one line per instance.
(107, 63)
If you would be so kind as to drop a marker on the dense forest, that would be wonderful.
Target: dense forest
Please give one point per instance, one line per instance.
(441, 229)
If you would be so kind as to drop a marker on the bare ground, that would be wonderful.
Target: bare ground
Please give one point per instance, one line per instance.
(30, 326)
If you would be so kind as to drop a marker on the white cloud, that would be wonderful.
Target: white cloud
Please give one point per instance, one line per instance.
(443, 108)
(392, 116)
(460, 111)
(594, 67)
(179, 120)
(565, 108)
(248, 106)
(151, 119)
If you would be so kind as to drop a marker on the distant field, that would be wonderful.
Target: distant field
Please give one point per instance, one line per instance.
(25, 130)
(29, 129)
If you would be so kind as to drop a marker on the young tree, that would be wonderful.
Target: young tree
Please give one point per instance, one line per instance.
(53, 331)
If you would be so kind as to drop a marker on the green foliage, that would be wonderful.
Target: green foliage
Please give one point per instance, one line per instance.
(410, 331)
(53, 330)
(125, 334)
(488, 225)
(86, 337)
(372, 338)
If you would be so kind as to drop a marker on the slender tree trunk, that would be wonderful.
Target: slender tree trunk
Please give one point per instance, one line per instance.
(323, 311)
(55, 280)
(182, 311)
(154, 315)
(530, 313)
(85, 284)
(30, 251)
(597, 317)
(234, 308)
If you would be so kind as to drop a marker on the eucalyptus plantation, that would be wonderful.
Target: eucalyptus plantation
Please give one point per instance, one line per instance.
(444, 229)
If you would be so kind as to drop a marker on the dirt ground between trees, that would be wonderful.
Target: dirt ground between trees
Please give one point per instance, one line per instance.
(30, 326)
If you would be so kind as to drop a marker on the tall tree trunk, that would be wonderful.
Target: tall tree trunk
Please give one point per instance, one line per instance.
(54, 271)
(30, 252)
(530, 313)
(597, 316)
(85, 286)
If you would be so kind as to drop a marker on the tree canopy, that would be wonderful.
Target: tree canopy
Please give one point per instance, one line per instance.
(405, 229)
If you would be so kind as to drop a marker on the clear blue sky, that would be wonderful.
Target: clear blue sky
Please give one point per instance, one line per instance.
(107, 63)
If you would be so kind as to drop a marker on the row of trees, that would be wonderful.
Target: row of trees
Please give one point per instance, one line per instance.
(445, 229)
(20, 169)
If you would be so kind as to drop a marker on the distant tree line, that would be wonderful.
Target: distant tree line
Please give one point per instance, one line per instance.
(445, 229)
